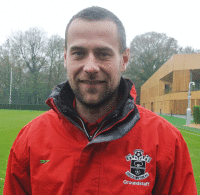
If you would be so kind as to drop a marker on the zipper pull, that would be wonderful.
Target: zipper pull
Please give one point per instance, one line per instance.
(90, 138)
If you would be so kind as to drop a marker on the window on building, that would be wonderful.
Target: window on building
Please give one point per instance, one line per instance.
(196, 79)
(197, 85)
(167, 88)
(152, 107)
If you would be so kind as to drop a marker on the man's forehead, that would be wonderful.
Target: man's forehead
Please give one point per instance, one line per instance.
(79, 23)
(83, 20)
(83, 32)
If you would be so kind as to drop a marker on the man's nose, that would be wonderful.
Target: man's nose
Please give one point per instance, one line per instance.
(91, 65)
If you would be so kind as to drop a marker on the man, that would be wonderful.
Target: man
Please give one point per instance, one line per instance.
(96, 140)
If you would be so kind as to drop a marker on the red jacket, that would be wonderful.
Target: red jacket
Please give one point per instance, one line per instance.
(134, 152)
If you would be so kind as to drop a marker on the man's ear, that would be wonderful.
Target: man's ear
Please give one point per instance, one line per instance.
(125, 59)
(65, 58)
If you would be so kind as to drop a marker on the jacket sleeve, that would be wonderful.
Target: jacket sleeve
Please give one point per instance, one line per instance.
(176, 176)
(17, 180)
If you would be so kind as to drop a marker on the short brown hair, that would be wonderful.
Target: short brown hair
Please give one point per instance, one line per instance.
(97, 13)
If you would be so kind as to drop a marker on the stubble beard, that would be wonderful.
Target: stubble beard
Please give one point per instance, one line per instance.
(108, 95)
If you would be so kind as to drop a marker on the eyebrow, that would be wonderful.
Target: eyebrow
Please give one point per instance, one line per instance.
(104, 48)
(74, 48)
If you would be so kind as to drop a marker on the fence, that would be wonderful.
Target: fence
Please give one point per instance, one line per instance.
(24, 107)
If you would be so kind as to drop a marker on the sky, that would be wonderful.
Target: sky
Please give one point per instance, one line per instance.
(179, 19)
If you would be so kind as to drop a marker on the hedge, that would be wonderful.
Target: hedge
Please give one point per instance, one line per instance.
(24, 107)
(196, 114)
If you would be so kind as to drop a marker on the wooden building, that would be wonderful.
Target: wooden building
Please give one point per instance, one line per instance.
(166, 90)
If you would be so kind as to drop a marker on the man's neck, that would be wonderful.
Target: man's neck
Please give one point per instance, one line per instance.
(93, 114)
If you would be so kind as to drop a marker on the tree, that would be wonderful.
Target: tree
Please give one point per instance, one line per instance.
(31, 48)
(148, 52)
(187, 50)
(37, 66)
(9, 58)
(55, 58)
(5, 69)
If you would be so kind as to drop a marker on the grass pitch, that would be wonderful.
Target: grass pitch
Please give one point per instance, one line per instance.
(192, 138)
(11, 121)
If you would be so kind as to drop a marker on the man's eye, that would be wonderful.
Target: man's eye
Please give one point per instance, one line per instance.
(78, 53)
(104, 54)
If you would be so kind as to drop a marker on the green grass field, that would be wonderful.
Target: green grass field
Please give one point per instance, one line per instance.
(11, 121)
(192, 138)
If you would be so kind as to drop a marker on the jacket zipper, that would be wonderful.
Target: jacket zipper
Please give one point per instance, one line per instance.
(90, 137)
(102, 125)
(86, 132)
(97, 131)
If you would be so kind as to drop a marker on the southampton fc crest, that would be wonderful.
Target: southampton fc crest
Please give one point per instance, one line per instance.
(138, 165)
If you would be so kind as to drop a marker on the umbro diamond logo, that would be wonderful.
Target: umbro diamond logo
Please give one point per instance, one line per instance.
(44, 161)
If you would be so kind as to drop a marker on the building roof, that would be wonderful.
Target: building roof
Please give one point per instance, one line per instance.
(177, 62)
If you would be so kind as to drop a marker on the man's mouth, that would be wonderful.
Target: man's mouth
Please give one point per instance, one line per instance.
(89, 82)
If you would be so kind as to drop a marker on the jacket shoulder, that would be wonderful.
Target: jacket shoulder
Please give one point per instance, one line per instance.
(36, 126)
(157, 123)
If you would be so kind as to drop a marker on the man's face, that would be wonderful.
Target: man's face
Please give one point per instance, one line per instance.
(93, 61)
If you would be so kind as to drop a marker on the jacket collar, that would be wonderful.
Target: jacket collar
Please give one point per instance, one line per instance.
(62, 96)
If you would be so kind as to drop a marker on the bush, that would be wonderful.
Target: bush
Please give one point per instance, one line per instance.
(24, 107)
(196, 114)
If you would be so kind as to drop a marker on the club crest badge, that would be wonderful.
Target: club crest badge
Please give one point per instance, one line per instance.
(138, 165)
